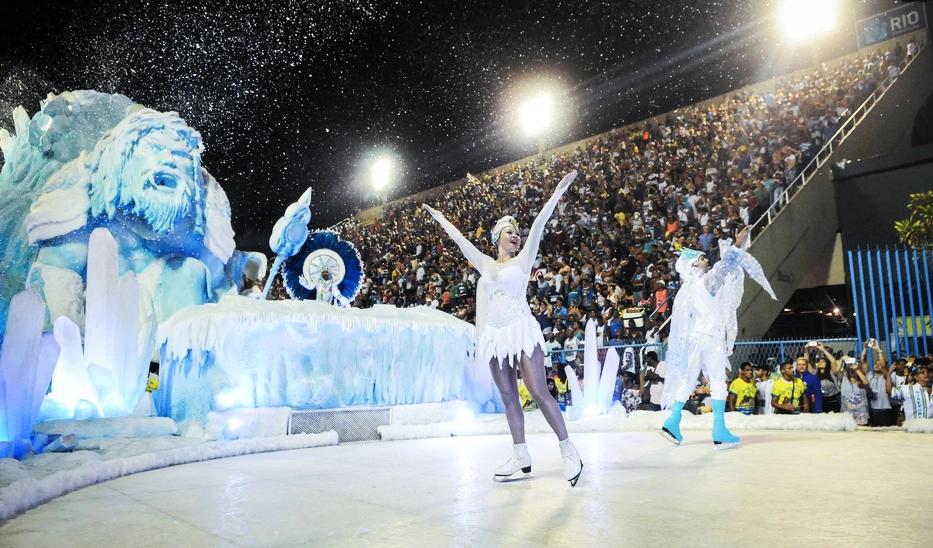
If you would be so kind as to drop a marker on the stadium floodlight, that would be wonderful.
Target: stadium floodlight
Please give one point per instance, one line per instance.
(804, 20)
(535, 115)
(381, 171)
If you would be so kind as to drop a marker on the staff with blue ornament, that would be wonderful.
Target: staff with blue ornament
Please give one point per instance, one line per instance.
(319, 267)
(703, 330)
(289, 234)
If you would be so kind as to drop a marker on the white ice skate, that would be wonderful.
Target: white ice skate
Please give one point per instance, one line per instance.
(573, 466)
(520, 461)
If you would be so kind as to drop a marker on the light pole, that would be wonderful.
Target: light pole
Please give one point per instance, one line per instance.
(535, 117)
(381, 172)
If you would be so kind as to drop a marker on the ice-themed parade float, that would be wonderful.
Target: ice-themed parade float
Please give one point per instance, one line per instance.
(121, 243)
(127, 333)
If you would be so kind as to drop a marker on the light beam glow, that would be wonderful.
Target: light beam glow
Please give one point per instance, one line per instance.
(381, 172)
(535, 115)
(804, 20)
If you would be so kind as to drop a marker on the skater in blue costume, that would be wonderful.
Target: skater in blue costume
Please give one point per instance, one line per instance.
(703, 329)
(507, 334)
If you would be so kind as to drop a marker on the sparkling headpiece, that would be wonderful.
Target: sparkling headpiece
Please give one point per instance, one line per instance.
(502, 223)
(688, 259)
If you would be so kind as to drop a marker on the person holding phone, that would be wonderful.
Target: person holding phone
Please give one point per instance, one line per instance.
(830, 376)
(854, 393)
(880, 410)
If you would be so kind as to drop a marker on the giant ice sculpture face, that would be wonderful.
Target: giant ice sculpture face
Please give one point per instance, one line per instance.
(149, 168)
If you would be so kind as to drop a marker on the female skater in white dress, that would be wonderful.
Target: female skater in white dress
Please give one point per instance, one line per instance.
(507, 334)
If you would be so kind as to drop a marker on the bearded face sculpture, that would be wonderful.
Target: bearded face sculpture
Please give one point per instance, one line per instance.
(148, 168)
(90, 160)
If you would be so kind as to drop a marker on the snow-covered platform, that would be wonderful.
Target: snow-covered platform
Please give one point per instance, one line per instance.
(242, 352)
(798, 488)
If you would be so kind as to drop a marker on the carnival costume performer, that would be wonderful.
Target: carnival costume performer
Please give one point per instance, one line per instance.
(703, 329)
(507, 334)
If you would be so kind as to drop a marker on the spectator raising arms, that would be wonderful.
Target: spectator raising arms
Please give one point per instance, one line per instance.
(830, 376)
(854, 393)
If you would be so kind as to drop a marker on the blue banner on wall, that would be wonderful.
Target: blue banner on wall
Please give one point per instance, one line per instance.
(890, 24)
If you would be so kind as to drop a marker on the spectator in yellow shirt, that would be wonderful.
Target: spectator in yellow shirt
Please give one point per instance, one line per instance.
(620, 216)
(742, 391)
(787, 392)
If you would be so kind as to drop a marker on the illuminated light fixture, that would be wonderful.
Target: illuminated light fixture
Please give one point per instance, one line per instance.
(465, 415)
(836, 310)
(803, 20)
(535, 115)
(381, 171)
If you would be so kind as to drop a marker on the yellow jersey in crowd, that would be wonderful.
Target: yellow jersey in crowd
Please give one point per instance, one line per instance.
(744, 393)
(789, 392)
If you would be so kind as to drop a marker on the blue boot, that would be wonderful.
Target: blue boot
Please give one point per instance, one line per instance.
(671, 429)
(722, 437)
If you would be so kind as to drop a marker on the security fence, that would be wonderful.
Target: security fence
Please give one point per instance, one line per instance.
(775, 352)
(771, 352)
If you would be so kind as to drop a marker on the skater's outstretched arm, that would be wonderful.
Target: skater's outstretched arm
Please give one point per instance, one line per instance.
(528, 254)
(472, 254)
(727, 264)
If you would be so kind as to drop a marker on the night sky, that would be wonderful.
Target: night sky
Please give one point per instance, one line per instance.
(290, 94)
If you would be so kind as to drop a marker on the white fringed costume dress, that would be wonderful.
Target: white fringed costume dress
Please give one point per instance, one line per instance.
(505, 326)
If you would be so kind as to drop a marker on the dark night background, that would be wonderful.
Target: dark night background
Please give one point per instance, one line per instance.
(290, 94)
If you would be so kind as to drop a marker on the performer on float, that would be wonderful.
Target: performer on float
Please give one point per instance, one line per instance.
(703, 329)
(507, 334)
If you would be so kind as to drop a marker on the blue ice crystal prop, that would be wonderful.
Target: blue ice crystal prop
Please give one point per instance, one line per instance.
(106, 377)
(304, 272)
(91, 160)
(27, 359)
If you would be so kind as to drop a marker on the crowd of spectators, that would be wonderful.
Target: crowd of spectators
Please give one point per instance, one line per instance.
(643, 193)
(817, 381)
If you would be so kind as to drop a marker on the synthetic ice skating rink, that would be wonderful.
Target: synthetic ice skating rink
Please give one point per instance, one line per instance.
(778, 489)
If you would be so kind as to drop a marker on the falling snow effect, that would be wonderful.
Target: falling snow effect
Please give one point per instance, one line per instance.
(293, 94)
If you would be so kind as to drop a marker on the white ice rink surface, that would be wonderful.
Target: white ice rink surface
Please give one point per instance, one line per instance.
(779, 488)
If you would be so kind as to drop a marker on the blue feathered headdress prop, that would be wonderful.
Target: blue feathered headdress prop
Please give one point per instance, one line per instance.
(293, 267)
